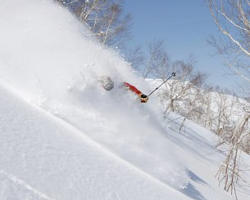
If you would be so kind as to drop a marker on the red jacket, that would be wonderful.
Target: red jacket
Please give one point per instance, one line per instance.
(133, 88)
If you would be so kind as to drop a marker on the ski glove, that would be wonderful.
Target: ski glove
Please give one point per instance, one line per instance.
(143, 98)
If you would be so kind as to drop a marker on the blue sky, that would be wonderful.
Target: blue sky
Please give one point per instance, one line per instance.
(184, 25)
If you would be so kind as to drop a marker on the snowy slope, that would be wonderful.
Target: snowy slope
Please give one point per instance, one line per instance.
(84, 142)
(42, 157)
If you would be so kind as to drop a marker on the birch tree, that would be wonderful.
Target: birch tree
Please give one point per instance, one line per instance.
(232, 19)
(104, 18)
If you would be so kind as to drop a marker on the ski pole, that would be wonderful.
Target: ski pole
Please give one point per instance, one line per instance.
(172, 75)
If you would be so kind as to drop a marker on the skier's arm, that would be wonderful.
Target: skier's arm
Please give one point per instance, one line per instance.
(133, 88)
(142, 96)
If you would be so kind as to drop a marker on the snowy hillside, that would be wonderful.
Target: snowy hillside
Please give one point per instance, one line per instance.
(43, 157)
(63, 137)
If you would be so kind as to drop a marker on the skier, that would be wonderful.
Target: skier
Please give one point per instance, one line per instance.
(108, 84)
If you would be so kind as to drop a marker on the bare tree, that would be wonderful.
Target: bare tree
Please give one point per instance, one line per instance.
(229, 171)
(136, 58)
(234, 131)
(232, 20)
(223, 113)
(158, 63)
(184, 89)
(206, 119)
(182, 94)
(104, 18)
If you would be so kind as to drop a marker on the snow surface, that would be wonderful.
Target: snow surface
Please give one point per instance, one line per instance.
(62, 136)
(43, 157)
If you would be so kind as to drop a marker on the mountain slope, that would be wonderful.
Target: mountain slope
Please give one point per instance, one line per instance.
(42, 157)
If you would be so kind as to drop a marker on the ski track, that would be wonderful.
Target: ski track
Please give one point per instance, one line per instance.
(20, 183)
